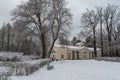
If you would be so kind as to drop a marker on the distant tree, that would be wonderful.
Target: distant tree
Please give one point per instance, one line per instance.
(78, 41)
(90, 19)
(107, 33)
(60, 20)
(5, 39)
(2, 37)
(74, 41)
(101, 21)
(64, 41)
(109, 16)
(35, 13)
(24, 39)
(9, 28)
(88, 42)
(47, 17)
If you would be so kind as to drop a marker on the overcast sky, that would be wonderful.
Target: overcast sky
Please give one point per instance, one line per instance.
(77, 8)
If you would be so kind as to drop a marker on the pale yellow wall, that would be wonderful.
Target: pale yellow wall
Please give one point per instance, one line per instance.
(88, 54)
(98, 53)
(68, 53)
(60, 52)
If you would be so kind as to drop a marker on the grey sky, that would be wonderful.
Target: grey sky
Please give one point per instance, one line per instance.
(5, 8)
(77, 8)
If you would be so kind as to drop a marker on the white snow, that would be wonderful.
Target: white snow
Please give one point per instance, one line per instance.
(4, 69)
(34, 62)
(92, 49)
(10, 55)
(73, 47)
(77, 70)
(29, 57)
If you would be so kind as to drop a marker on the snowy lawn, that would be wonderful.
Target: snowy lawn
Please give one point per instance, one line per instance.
(77, 70)
(4, 69)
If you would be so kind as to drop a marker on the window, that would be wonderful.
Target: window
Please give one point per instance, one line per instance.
(92, 54)
(77, 55)
(73, 55)
(69, 55)
(77, 52)
(73, 52)
(62, 56)
(85, 55)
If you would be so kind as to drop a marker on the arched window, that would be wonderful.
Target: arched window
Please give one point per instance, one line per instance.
(85, 55)
(62, 56)
(69, 55)
(73, 55)
(77, 55)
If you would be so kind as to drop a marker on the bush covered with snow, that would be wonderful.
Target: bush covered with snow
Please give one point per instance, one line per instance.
(29, 57)
(5, 73)
(10, 56)
(113, 59)
(28, 67)
(24, 68)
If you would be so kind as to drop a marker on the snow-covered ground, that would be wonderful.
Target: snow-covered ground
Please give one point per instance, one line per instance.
(77, 70)
(4, 69)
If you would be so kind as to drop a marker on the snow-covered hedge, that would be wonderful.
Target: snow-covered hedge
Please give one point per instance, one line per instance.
(28, 67)
(10, 56)
(20, 68)
(5, 73)
(113, 59)
(29, 57)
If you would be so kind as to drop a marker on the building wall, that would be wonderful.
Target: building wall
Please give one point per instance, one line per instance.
(85, 54)
(59, 53)
(70, 54)
(73, 55)
(99, 53)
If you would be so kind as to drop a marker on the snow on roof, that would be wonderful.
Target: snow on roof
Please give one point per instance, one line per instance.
(74, 47)
(93, 48)
(10, 54)
(34, 62)
(66, 46)
(78, 43)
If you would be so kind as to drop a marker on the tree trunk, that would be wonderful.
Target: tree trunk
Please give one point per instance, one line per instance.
(43, 46)
(51, 48)
(101, 36)
(8, 40)
(109, 43)
(95, 52)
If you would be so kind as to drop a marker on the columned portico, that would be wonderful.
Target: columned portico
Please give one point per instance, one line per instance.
(74, 52)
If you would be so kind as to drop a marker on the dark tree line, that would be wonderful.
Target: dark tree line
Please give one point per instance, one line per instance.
(37, 24)
(17, 39)
(102, 24)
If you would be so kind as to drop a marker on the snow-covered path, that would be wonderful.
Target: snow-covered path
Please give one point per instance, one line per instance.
(77, 70)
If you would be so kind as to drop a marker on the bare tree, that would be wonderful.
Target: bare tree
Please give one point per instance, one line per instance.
(84, 33)
(5, 37)
(9, 27)
(35, 13)
(100, 14)
(2, 37)
(109, 17)
(60, 20)
(90, 20)
(47, 17)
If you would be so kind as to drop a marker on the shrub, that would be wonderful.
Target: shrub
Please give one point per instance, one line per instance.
(5, 75)
(26, 68)
(22, 68)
